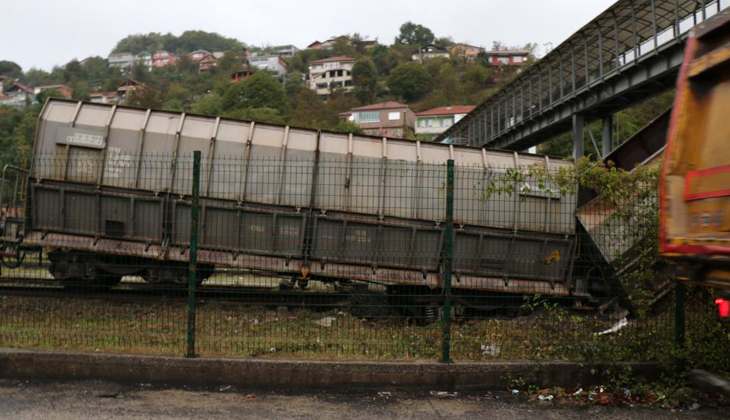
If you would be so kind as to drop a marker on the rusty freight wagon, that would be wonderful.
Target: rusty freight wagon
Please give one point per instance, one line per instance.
(109, 194)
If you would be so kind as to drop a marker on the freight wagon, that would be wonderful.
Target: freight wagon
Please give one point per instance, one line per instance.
(109, 193)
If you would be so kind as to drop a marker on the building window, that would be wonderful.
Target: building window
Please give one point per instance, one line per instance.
(503, 60)
(368, 117)
(517, 59)
(394, 116)
(348, 83)
(446, 122)
(321, 86)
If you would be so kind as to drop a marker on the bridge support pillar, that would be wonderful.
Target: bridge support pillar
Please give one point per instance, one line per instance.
(578, 144)
(607, 137)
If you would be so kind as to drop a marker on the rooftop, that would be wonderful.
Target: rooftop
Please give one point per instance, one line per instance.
(384, 105)
(461, 44)
(332, 60)
(508, 52)
(447, 110)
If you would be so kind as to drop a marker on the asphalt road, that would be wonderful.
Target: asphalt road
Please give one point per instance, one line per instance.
(104, 400)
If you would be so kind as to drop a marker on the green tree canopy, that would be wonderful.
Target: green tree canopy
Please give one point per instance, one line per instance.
(414, 34)
(347, 127)
(208, 105)
(365, 79)
(260, 90)
(49, 93)
(10, 69)
(188, 41)
(294, 83)
(410, 81)
(262, 115)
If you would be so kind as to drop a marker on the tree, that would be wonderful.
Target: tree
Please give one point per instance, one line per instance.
(385, 60)
(343, 46)
(73, 71)
(137, 43)
(262, 115)
(410, 81)
(347, 127)
(145, 97)
(444, 42)
(208, 105)
(80, 93)
(49, 93)
(294, 83)
(414, 34)
(10, 69)
(260, 90)
(190, 41)
(307, 110)
(365, 79)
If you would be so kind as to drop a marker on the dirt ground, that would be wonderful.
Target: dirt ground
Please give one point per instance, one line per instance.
(105, 400)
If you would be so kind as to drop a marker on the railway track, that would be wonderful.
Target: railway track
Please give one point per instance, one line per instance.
(126, 291)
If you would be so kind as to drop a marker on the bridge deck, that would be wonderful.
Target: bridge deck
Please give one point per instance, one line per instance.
(628, 53)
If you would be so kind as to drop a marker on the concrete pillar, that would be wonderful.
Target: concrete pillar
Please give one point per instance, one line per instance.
(607, 137)
(578, 145)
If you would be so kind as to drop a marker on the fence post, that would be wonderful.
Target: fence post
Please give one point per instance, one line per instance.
(448, 260)
(679, 314)
(193, 268)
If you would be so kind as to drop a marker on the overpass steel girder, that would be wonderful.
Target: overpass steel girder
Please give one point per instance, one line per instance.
(647, 78)
(628, 53)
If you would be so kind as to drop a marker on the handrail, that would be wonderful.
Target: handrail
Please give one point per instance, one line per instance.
(3, 181)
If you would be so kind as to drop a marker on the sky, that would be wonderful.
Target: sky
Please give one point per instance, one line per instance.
(53, 32)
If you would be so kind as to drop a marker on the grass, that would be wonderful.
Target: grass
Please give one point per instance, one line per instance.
(229, 329)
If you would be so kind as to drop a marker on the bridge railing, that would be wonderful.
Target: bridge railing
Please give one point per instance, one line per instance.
(619, 38)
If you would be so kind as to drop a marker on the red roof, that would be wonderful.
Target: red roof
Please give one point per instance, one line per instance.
(332, 59)
(22, 87)
(507, 52)
(448, 110)
(384, 105)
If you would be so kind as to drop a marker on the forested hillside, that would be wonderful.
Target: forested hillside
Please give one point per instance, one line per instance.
(384, 71)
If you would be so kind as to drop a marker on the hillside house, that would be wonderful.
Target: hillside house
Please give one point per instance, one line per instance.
(430, 52)
(127, 87)
(18, 95)
(144, 59)
(465, 51)
(316, 45)
(122, 60)
(388, 119)
(162, 58)
(241, 75)
(285, 50)
(63, 89)
(103, 97)
(507, 57)
(198, 55)
(272, 63)
(207, 63)
(431, 123)
(329, 74)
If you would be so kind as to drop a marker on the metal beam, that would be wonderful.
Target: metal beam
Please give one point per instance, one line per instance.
(607, 135)
(578, 144)
(632, 26)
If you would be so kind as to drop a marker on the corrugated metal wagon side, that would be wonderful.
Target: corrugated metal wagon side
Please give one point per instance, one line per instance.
(110, 180)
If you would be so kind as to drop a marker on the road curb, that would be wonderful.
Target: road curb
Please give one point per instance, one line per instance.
(308, 374)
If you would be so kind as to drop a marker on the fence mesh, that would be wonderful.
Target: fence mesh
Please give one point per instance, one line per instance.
(328, 258)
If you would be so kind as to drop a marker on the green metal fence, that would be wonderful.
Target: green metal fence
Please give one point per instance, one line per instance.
(330, 259)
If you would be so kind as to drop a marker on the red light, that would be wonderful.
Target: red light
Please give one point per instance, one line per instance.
(723, 307)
